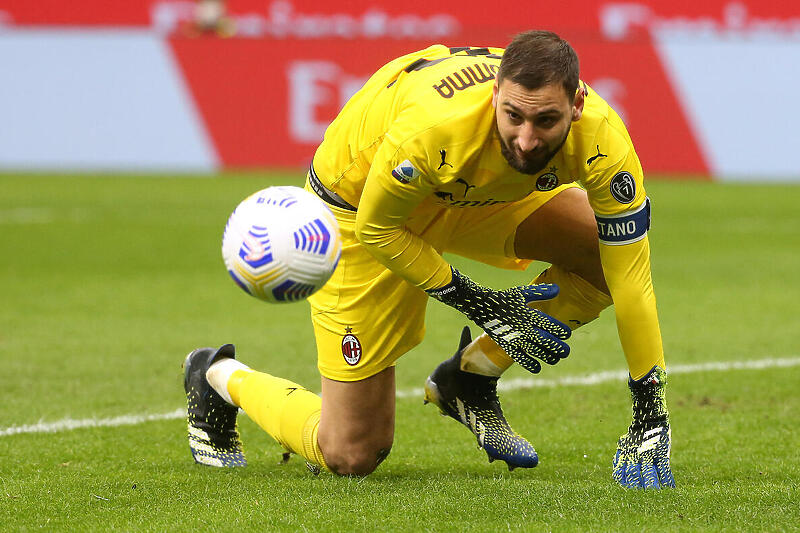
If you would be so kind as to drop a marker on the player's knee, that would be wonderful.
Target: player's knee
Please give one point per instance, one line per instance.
(356, 460)
(585, 262)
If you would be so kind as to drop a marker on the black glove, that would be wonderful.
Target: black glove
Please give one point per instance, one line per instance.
(524, 333)
(642, 458)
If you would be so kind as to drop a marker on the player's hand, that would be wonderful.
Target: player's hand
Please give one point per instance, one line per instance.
(642, 459)
(525, 334)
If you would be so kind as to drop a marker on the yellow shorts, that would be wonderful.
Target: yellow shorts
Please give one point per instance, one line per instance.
(366, 316)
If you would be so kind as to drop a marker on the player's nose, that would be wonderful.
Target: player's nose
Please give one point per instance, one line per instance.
(527, 139)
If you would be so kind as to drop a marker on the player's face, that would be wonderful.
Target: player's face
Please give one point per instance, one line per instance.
(533, 123)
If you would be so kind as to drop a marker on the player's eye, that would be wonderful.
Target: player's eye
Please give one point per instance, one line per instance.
(513, 117)
(546, 122)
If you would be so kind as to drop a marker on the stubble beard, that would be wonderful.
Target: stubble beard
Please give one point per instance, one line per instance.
(530, 165)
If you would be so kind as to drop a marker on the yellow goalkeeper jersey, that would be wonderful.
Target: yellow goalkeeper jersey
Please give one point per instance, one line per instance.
(421, 135)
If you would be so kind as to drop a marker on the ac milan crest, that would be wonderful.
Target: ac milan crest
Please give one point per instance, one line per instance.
(351, 348)
(547, 182)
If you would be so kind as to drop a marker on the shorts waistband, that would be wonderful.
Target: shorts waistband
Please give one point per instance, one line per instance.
(326, 194)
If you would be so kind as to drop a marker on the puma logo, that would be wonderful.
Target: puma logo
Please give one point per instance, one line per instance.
(445, 195)
(443, 153)
(591, 159)
(467, 186)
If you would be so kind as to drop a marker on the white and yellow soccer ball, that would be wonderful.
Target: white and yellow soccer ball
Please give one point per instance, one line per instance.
(281, 244)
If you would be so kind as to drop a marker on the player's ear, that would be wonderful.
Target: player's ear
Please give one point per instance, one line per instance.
(577, 104)
(495, 89)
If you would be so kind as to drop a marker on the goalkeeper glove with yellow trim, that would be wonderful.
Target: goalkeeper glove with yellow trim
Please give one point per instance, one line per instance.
(527, 335)
(642, 458)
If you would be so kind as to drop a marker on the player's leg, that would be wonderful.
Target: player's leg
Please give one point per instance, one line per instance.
(364, 319)
(493, 235)
(216, 387)
(357, 346)
(357, 426)
(349, 430)
(563, 232)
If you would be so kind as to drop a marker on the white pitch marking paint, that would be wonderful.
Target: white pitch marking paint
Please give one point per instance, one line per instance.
(41, 215)
(597, 378)
(67, 424)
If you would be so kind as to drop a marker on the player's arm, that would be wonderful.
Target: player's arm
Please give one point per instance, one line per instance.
(623, 214)
(642, 459)
(397, 183)
(627, 271)
(385, 205)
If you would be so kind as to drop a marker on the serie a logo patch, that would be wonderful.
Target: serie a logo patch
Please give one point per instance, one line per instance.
(351, 348)
(405, 172)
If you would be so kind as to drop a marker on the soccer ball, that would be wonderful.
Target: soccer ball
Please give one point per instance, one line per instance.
(281, 244)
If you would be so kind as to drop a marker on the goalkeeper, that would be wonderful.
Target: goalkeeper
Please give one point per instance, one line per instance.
(502, 156)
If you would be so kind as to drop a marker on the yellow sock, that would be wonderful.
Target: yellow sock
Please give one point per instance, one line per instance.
(486, 347)
(578, 303)
(285, 410)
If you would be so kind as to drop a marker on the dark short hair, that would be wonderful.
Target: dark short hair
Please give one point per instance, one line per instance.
(537, 58)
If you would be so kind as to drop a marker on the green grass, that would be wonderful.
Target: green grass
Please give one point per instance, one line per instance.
(108, 282)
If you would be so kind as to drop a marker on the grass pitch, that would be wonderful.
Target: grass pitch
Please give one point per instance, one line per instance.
(108, 282)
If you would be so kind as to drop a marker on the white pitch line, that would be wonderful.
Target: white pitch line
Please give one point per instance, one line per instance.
(67, 424)
(596, 378)
(40, 215)
(622, 375)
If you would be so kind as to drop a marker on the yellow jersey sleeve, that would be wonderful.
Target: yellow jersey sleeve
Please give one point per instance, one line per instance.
(627, 271)
(399, 180)
(615, 187)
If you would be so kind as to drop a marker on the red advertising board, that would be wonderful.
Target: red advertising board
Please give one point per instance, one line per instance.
(267, 102)
(266, 91)
(470, 15)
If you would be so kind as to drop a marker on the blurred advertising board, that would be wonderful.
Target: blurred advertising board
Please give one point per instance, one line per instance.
(138, 85)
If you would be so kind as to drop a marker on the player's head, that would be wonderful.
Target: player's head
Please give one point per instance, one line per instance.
(538, 58)
(536, 98)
